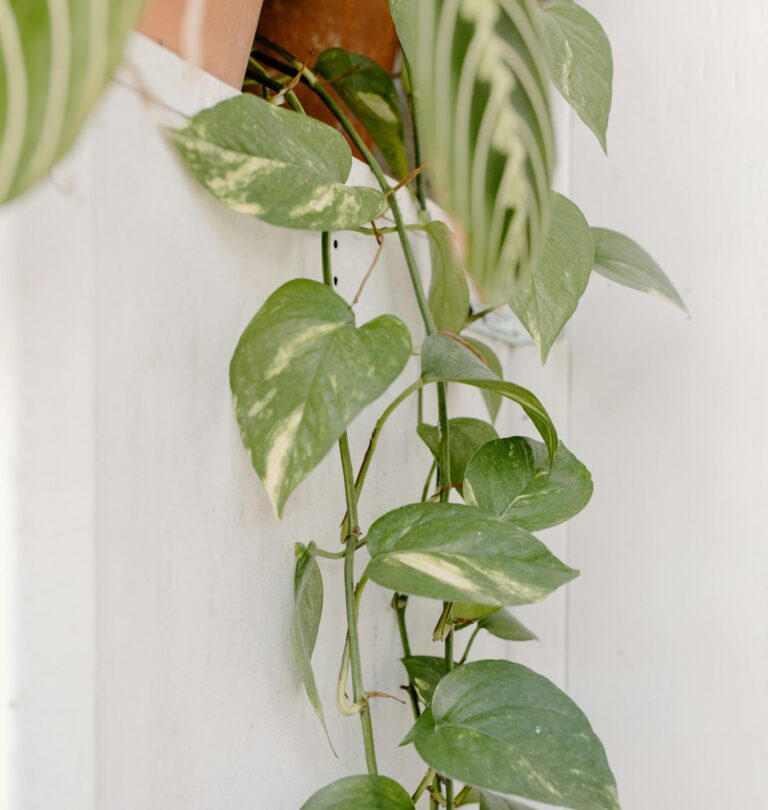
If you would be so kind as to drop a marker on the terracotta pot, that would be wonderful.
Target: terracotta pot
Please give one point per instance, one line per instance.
(308, 27)
(228, 27)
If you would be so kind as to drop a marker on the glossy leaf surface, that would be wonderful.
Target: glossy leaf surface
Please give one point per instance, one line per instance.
(425, 672)
(500, 726)
(581, 63)
(448, 292)
(307, 610)
(513, 479)
(275, 164)
(55, 59)
(358, 792)
(301, 372)
(480, 75)
(548, 296)
(621, 259)
(368, 90)
(445, 359)
(458, 554)
(465, 437)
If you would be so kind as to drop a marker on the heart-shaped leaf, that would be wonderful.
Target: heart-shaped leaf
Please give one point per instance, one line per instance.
(465, 437)
(458, 554)
(358, 792)
(513, 478)
(502, 624)
(545, 300)
(449, 291)
(620, 259)
(491, 359)
(56, 59)
(425, 672)
(307, 610)
(368, 90)
(480, 75)
(581, 63)
(278, 165)
(300, 374)
(500, 726)
(444, 359)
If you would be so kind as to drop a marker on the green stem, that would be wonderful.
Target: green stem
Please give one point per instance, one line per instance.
(421, 194)
(425, 491)
(423, 785)
(469, 644)
(400, 603)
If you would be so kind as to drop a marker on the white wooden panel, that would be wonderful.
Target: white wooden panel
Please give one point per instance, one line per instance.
(668, 627)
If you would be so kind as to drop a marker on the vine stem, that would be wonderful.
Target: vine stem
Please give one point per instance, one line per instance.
(358, 690)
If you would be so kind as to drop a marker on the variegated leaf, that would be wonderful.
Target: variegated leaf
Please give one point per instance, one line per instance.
(278, 165)
(481, 80)
(55, 58)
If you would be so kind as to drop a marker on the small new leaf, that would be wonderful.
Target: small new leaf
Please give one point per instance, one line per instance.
(449, 291)
(502, 624)
(581, 63)
(368, 90)
(444, 359)
(545, 300)
(275, 164)
(425, 672)
(307, 610)
(620, 259)
(501, 727)
(459, 554)
(301, 373)
(513, 478)
(357, 792)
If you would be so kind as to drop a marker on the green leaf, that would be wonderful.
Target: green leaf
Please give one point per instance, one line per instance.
(513, 479)
(490, 801)
(425, 723)
(404, 15)
(283, 167)
(465, 437)
(502, 624)
(581, 63)
(301, 373)
(620, 259)
(463, 613)
(492, 399)
(444, 359)
(480, 75)
(307, 610)
(548, 297)
(358, 792)
(449, 292)
(54, 64)
(500, 726)
(425, 672)
(458, 554)
(368, 90)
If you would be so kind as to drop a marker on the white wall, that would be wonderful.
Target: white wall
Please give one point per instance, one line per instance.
(151, 584)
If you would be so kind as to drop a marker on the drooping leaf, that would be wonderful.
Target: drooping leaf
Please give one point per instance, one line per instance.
(301, 372)
(492, 801)
(480, 75)
(464, 613)
(465, 437)
(502, 624)
(448, 292)
(513, 479)
(581, 63)
(445, 359)
(620, 259)
(283, 167)
(459, 554)
(307, 610)
(358, 792)
(545, 300)
(55, 59)
(368, 90)
(500, 726)
(425, 672)
(491, 398)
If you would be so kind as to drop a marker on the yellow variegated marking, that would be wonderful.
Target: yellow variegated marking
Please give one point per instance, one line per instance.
(279, 453)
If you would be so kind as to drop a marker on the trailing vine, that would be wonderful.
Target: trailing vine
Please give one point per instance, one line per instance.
(474, 80)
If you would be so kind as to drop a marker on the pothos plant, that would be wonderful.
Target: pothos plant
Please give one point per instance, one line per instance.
(474, 77)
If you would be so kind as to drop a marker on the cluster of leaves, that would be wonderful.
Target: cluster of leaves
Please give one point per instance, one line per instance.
(476, 74)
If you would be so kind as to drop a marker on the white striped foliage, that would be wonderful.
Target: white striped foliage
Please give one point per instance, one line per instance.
(481, 81)
(55, 58)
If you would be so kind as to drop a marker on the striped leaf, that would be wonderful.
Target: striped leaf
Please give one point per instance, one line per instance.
(480, 75)
(55, 58)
